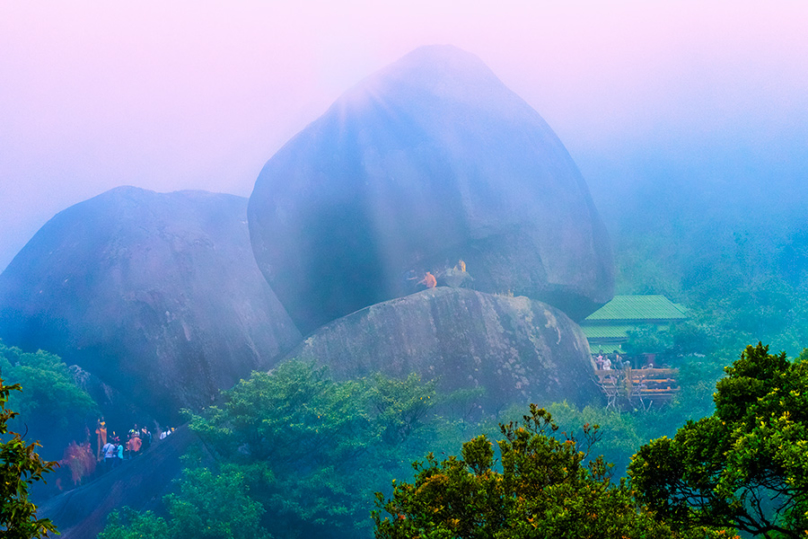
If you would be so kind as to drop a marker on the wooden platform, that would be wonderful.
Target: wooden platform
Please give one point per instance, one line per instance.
(638, 387)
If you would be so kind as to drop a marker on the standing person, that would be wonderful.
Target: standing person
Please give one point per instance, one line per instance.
(101, 432)
(145, 437)
(137, 443)
(109, 455)
(119, 449)
(429, 280)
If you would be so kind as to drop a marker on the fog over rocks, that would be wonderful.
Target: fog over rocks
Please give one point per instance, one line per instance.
(156, 294)
(518, 350)
(426, 162)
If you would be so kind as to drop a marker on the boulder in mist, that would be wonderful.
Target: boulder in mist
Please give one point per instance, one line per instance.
(518, 350)
(156, 294)
(429, 161)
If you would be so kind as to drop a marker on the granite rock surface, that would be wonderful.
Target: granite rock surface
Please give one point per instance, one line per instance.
(158, 295)
(516, 349)
(427, 162)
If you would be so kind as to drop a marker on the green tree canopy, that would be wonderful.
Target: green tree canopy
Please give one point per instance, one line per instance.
(208, 506)
(318, 448)
(299, 453)
(51, 394)
(648, 340)
(746, 466)
(20, 466)
(547, 487)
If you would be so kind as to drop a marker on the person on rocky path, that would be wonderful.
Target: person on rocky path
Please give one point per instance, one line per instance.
(145, 437)
(119, 445)
(109, 455)
(101, 432)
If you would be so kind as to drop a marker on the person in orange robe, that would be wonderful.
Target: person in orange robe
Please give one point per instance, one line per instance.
(101, 431)
(429, 280)
(136, 444)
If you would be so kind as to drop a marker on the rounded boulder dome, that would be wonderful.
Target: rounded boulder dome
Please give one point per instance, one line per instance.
(428, 162)
(513, 349)
(156, 294)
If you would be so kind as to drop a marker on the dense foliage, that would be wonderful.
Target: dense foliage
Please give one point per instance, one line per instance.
(309, 451)
(322, 444)
(624, 431)
(20, 466)
(741, 284)
(546, 487)
(746, 465)
(207, 506)
(301, 453)
(52, 399)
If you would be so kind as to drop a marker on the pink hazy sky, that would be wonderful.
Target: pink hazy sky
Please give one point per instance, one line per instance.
(199, 94)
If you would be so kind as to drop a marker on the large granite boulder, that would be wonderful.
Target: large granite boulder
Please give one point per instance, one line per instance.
(427, 162)
(516, 349)
(156, 294)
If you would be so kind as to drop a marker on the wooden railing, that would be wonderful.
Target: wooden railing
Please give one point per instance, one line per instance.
(643, 387)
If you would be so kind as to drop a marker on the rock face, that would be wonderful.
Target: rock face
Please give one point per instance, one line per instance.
(156, 294)
(517, 349)
(428, 161)
(140, 484)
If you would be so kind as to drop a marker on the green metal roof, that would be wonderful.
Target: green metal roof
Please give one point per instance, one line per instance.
(606, 332)
(637, 308)
(609, 331)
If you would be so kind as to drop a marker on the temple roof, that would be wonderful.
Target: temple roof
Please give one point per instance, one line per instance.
(638, 309)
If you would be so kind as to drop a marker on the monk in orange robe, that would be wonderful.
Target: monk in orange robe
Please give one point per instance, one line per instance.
(429, 280)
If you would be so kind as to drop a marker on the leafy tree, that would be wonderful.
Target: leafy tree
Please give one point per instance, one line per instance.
(215, 506)
(648, 340)
(318, 448)
(620, 434)
(288, 417)
(51, 394)
(746, 466)
(130, 524)
(690, 338)
(308, 430)
(20, 466)
(400, 406)
(208, 506)
(547, 488)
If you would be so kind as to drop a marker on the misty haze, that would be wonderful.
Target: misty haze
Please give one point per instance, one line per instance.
(343, 270)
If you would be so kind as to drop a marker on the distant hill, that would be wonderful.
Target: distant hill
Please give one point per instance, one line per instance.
(156, 294)
(429, 161)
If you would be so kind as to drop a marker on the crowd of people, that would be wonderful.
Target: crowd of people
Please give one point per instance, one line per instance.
(113, 450)
(608, 362)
